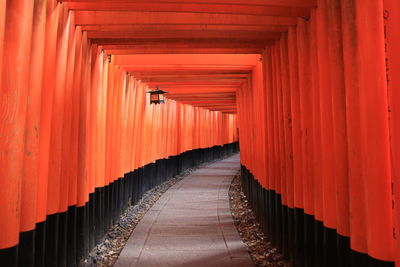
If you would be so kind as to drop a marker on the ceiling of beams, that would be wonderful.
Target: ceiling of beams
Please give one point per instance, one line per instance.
(200, 51)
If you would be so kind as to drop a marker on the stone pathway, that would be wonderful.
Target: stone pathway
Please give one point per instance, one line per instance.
(190, 225)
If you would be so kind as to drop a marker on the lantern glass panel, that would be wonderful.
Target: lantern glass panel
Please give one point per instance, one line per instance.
(154, 97)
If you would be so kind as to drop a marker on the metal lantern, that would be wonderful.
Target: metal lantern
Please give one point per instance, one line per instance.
(156, 96)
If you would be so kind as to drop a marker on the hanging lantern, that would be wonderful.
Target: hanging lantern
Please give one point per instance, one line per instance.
(156, 96)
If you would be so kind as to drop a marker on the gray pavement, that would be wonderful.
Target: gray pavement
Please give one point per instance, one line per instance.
(190, 225)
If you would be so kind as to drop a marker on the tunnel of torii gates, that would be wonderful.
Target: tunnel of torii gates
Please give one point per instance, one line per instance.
(311, 86)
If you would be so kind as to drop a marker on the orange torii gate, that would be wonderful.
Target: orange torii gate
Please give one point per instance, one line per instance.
(311, 86)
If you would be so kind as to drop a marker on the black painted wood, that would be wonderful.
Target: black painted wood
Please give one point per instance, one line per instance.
(65, 239)
(51, 240)
(40, 244)
(9, 256)
(26, 249)
(302, 239)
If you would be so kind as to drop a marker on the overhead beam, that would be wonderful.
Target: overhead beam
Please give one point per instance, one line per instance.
(184, 34)
(238, 60)
(189, 72)
(194, 77)
(197, 78)
(131, 17)
(211, 87)
(173, 50)
(217, 106)
(243, 9)
(190, 27)
(190, 83)
(230, 107)
(202, 96)
(204, 42)
(190, 90)
(186, 43)
(281, 3)
(209, 102)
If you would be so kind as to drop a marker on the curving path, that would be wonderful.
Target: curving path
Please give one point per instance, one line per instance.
(190, 225)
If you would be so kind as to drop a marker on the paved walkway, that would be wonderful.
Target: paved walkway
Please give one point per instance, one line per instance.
(190, 225)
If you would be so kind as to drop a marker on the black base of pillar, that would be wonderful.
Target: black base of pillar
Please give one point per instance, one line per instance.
(9, 256)
(62, 239)
(26, 249)
(40, 244)
(65, 239)
(308, 240)
(51, 243)
(71, 238)
(318, 243)
(302, 239)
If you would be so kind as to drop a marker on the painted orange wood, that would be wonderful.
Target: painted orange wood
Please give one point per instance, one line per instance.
(13, 108)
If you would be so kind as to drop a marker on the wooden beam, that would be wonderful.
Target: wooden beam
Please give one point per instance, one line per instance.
(242, 9)
(184, 34)
(281, 3)
(183, 60)
(188, 72)
(118, 17)
(187, 43)
(192, 77)
(190, 83)
(190, 27)
(173, 50)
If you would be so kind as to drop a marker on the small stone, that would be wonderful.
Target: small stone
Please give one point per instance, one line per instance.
(106, 253)
(260, 248)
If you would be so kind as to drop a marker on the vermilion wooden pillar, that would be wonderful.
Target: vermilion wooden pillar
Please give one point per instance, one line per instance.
(305, 111)
(286, 116)
(94, 83)
(32, 132)
(391, 11)
(288, 143)
(316, 143)
(270, 174)
(54, 190)
(326, 118)
(72, 187)
(274, 181)
(358, 224)
(298, 161)
(3, 10)
(308, 133)
(55, 160)
(83, 151)
(295, 108)
(129, 121)
(46, 106)
(135, 127)
(327, 135)
(375, 129)
(67, 214)
(31, 160)
(67, 157)
(13, 98)
(259, 120)
(338, 99)
(103, 118)
(119, 94)
(97, 86)
(281, 190)
(109, 126)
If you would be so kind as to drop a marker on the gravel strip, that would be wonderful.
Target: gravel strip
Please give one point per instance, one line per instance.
(106, 253)
(261, 250)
